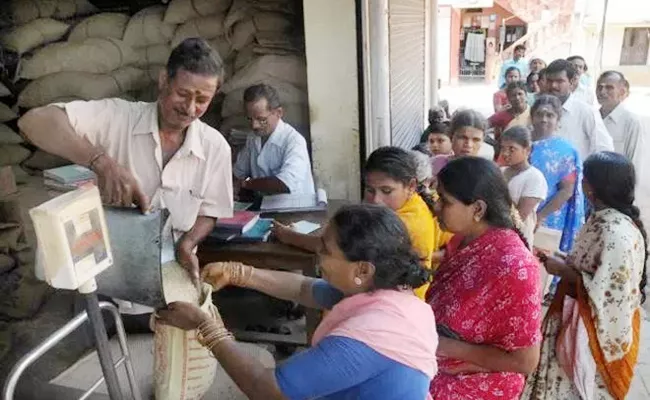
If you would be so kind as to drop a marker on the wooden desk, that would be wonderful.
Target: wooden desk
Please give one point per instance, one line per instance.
(276, 256)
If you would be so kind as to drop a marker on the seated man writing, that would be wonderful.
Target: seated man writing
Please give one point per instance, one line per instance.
(275, 159)
(152, 153)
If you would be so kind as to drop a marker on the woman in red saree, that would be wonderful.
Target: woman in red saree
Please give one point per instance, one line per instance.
(485, 296)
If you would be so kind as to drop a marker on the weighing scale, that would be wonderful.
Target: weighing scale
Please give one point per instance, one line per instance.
(92, 249)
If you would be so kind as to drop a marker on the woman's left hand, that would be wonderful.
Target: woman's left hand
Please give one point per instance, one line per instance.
(554, 265)
(464, 368)
(182, 315)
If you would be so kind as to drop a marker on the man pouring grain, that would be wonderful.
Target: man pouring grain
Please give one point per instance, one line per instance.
(152, 154)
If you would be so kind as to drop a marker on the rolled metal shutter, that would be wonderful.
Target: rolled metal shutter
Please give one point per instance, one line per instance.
(406, 41)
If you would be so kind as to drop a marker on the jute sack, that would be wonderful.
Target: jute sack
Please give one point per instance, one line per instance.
(6, 113)
(4, 91)
(242, 35)
(156, 54)
(289, 94)
(69, 8)
(13, 154)
(273, 22)
(245, 56)
(41, 160)
(104, 25)
(23, 11)
(277, 43)
(245, 9)
(180, 11)
(8, 136)
(81, 85)
(24, 38)
(93, 55)
(183, 369)
(290, 69)
(208, 27)
(146, 28)
(221, 45)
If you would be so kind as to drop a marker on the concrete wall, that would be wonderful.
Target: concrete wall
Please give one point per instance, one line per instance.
(636, 74)
(332, 71)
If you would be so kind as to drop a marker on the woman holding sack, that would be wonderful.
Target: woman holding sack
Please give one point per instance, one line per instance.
(486, 296)
(591, 331)
(377, 342)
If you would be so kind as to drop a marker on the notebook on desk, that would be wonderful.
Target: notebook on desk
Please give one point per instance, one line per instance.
(295, 202)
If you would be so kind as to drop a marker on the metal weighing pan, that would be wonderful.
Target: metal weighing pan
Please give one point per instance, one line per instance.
(136, 243)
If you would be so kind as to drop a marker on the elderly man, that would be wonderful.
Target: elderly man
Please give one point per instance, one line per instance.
(579, 124)
(152, 154)
(624, 126)
(275, 159)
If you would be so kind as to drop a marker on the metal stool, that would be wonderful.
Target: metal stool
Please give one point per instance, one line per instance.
(31, 357)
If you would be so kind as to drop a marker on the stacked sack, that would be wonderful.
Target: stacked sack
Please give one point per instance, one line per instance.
(12, 153)
(267, 43)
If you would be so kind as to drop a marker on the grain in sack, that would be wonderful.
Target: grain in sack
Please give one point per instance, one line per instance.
(290, 69)
(183, 368)
(221, 45)
(81, 85)
(8, 136)
(147, 28)
(6, 113)
(157, 54)
(180, 11)
(24, 38)
(104, 25)
(93, 55)
(23, 11)
(208, 27)
(4, 91)
(288, 94)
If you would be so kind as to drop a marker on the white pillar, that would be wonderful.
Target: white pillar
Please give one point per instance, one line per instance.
(376, 73)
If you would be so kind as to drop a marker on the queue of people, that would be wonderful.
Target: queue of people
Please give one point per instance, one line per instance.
(432, 285)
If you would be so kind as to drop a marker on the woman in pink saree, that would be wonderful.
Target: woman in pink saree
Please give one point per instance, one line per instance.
(485, 296)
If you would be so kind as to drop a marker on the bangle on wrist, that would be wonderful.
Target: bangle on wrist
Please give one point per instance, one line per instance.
(94, 159)
(210, 335)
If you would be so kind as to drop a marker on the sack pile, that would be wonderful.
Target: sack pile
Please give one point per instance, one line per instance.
(69, 51)
(11, 151)
(268, 47)
(94, 63)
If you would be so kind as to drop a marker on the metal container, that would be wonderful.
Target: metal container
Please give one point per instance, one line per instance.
(137, 244)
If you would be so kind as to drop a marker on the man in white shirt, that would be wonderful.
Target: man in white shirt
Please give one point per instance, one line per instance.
(583, 88)
(152, 154)
(517, 61)
(275, 159)
(624, 127)
(580, 123)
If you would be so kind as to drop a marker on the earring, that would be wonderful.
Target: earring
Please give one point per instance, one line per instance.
(357, 281)
(477, 218)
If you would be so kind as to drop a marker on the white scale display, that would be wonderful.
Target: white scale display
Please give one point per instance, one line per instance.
(72, 239)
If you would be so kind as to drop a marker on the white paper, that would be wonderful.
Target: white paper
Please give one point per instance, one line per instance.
(295, 201)
(305, 227)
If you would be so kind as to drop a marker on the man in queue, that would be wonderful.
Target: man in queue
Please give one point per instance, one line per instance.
(152, 154)
(275, 159)
(624, 126)
(579, 123)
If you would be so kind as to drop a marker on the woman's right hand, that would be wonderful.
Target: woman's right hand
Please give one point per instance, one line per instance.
(222, 274)
(281, 232)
